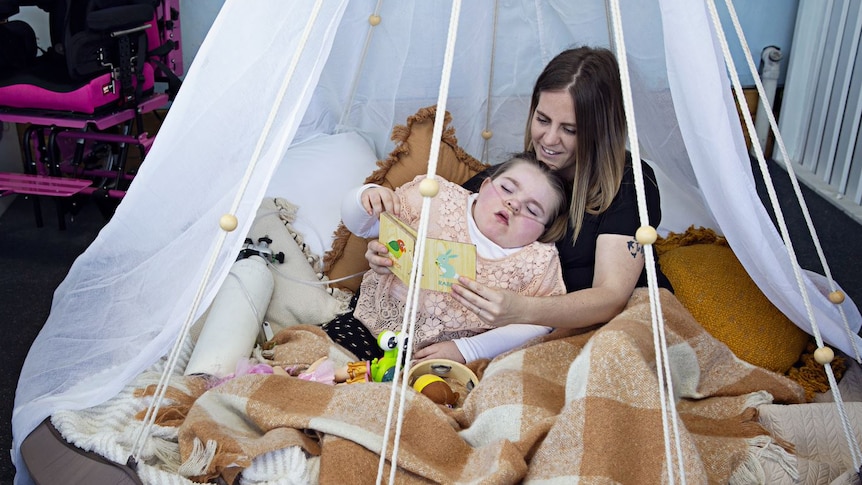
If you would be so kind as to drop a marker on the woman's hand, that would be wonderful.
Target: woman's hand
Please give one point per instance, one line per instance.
(378, 199)
(378, 257)
(493, 306)
(440, 350)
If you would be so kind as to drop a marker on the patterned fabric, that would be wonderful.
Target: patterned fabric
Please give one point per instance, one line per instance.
(350, 333)
(534, 270)
(568, 409)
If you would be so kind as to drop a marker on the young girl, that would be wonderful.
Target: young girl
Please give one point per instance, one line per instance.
(513, 220)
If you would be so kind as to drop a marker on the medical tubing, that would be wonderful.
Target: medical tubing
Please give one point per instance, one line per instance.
(321, 282)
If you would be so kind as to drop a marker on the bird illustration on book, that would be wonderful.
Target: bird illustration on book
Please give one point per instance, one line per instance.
(446, 269)
(396, 247)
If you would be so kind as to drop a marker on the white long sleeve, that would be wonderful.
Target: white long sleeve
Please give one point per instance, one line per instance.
(494, 342)
(355, 218)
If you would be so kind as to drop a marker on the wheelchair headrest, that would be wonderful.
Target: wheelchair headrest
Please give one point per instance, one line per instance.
(18, 46)
(8, 8)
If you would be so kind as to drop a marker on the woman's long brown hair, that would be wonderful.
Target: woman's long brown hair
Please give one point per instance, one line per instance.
(592, 78)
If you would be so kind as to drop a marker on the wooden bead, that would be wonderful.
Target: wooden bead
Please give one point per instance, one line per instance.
(824, 355)
(429, 187)
(836, 297)
(487, 134)
(646, 235)
(374, 20)
(228, 222)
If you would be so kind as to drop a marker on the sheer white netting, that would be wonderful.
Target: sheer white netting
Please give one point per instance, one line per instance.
(157, 265)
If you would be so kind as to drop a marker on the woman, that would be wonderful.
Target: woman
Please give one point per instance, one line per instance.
(577, 126)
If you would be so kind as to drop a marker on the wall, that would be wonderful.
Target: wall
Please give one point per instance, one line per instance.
(764, 23)
(196, 17)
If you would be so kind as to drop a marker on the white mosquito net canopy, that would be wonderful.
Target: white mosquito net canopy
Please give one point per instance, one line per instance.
(273, 73)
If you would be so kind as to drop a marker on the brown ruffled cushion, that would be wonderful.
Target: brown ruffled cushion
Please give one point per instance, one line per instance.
(712, 284)
(407, 160)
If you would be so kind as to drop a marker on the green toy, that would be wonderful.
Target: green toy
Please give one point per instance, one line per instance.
(383, 369)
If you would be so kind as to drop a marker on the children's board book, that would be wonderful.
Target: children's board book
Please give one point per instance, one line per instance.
(444, 260)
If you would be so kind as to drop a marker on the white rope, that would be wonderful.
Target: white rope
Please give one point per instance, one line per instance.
(354, 86)
(849, 435)
(408, 324)
(161, 388)
(487, 141)
(773, 197)
(665, 381)
(779, 141)
(405, 354)
(839, 403)
(540, 31)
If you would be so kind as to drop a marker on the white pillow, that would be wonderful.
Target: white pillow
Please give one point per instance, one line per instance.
(315, 175)
(297, 296)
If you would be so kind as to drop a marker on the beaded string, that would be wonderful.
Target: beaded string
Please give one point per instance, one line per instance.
(823, 354)
(646, 236)
(835, 295)
(487, 133)
(373, 21)
(228, 223)
(428, 189)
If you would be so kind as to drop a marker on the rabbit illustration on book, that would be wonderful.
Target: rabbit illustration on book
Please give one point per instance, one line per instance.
(442, 261)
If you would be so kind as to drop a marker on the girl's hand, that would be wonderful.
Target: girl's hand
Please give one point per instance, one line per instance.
(376, 200)
(440, 350)
(493, 306)
(378, 257)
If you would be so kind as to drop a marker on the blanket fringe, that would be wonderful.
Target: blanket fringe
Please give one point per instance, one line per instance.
(165, 452)
(283, 466)
(758, 398)
(199, 459)
(763, 448)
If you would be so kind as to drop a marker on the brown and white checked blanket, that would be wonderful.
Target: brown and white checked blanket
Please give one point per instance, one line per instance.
(566, 408)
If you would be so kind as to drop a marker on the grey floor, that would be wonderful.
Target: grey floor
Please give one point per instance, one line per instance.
(33, 262)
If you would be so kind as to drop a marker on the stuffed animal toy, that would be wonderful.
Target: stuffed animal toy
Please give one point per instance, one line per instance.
(377, 370)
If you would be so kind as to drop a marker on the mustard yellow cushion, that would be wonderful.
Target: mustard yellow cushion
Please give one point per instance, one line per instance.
(712, 284)
(407, 160)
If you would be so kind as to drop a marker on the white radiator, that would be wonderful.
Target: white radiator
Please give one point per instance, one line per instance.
(821, 111)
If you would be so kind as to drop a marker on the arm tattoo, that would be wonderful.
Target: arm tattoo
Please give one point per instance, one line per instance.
(635, 248)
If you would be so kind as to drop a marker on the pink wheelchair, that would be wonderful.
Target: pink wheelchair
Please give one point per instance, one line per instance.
(81, 101)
